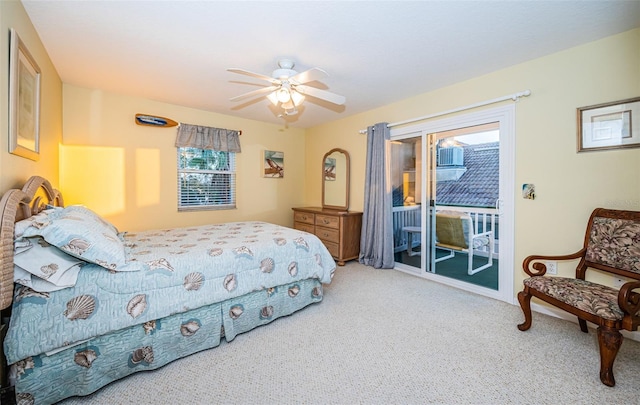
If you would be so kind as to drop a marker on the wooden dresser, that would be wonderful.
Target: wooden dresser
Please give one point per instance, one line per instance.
(338, 230)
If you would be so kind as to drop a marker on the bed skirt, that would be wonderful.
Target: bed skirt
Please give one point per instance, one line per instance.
(86, 367)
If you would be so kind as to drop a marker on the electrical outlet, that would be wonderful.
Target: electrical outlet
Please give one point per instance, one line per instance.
(552, 267)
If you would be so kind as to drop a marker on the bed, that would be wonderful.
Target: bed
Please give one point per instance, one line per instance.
(89, 304)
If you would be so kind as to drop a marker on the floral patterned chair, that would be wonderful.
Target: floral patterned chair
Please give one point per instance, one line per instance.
(612, 245)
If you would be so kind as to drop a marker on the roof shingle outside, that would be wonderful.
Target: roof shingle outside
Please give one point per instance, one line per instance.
(479, 185)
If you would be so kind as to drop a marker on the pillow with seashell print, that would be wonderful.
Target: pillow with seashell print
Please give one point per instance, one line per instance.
(43, 267)
(88, 213)
(83, 234)
(35, 220)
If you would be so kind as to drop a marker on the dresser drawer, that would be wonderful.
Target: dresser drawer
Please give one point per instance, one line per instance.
(328, 234)
(332, 248)
(304, 217)
(301, 226)
(328, 221)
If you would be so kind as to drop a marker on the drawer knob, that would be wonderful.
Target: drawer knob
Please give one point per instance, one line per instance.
(326, 221)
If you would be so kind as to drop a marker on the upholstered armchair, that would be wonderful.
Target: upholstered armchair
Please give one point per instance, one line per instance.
(611, 245)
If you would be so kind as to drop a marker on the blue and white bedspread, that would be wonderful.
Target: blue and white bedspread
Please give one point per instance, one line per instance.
(184, 269)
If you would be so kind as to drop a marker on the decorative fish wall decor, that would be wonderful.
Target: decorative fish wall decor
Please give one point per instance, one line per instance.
(154, 121)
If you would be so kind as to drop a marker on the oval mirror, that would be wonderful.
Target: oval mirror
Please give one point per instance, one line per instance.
(335, 179)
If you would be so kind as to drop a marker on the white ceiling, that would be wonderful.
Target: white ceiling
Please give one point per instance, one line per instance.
(376, 52)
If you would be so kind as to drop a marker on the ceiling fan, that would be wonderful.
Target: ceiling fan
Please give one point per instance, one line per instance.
(288, 88)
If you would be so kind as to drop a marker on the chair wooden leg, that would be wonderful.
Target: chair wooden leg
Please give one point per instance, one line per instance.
(609, 341)
(525, 303)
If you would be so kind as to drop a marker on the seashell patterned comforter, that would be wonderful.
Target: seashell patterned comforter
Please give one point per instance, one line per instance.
(184, 269)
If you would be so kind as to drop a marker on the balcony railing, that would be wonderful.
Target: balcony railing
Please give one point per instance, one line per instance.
(484, 219)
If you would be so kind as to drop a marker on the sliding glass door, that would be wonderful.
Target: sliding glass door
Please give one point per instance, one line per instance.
(452, 201)
(466, 192)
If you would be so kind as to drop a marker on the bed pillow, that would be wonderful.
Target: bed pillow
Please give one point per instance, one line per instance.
(37, 220)
(82, 233)
(83, 211)
(27, 279)
(43, 267)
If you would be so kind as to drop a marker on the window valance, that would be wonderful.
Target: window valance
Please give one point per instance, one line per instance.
(196, 136)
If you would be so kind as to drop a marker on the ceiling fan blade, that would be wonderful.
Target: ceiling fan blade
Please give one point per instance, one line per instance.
(258, 92)
(256, 75)
(308, 76)
(322, 94)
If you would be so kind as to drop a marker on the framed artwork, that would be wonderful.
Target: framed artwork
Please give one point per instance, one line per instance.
(24, 101)
(273, 165)
(612, 125)
(529, 191)
(330, 169)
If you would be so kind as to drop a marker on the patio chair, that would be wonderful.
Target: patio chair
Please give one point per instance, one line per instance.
(455, 233)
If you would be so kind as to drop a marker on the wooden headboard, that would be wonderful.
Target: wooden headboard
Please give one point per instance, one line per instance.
(18, 204)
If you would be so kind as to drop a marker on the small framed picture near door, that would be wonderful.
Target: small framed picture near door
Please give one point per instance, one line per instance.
(612, 125)
(24, 101)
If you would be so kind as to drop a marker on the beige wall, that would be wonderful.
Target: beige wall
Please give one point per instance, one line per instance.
(15, 169)
(568, 185)
(128, 172)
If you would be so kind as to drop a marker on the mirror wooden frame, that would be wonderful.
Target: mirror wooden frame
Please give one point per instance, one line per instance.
(347, 180)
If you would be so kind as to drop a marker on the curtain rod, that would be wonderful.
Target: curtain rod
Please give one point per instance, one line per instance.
(514, 97)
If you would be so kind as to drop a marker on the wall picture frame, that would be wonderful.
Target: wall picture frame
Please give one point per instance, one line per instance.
(273, 164)
(24, 100)
(614, 125)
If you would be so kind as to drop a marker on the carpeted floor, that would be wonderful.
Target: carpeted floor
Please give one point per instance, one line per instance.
(385, 337)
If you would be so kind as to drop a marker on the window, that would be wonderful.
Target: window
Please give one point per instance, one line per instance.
(206, 179)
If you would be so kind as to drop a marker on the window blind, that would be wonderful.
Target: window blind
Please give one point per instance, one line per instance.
(206, 179)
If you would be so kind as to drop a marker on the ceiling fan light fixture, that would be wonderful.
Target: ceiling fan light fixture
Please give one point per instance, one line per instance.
(288, 105)
(283, 95)
(273, 98)
(288, 88)
(297, 98)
